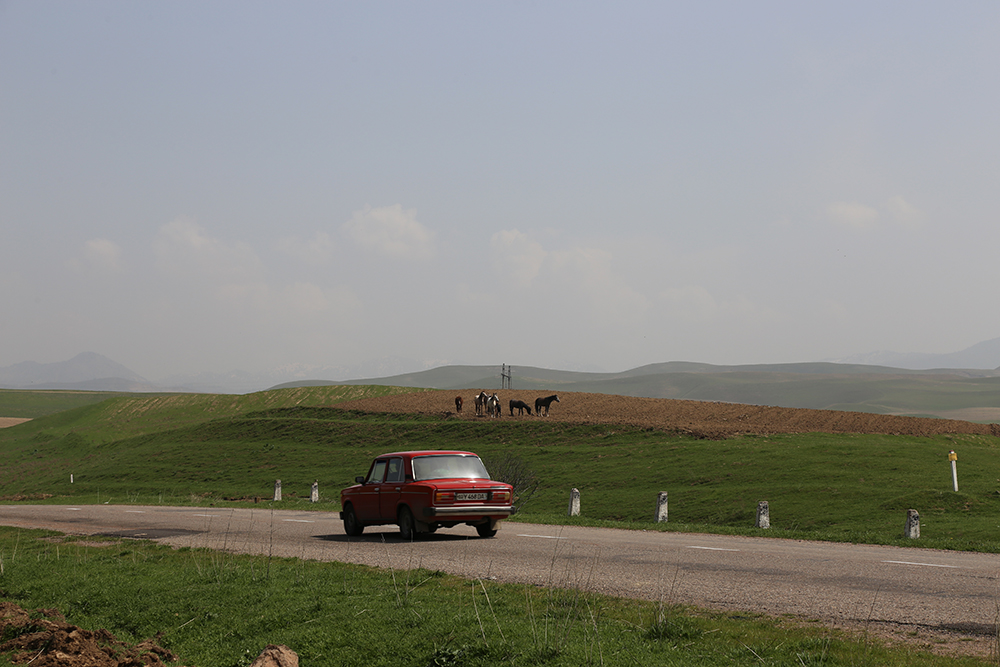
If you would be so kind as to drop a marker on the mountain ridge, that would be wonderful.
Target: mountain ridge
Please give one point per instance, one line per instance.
(959, 393)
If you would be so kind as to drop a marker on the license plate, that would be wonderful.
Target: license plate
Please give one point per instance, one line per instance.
(470, 496)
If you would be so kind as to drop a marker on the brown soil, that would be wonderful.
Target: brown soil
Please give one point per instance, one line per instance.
(699, 418)
(45, 639)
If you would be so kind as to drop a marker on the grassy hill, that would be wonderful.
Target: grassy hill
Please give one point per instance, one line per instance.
(225, 450)
(222, 449)
(948, 393)
(31, 404)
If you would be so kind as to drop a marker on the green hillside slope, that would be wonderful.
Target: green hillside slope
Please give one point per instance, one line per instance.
(229, 450)
(30, 404)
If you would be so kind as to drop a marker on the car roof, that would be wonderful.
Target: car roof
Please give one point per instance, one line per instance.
(426, 452)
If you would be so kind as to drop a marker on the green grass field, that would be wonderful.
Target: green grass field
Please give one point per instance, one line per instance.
(32, 404)
(228, 450)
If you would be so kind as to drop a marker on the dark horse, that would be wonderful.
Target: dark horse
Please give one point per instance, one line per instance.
(545, 403)
(458, 404)
(521, 407)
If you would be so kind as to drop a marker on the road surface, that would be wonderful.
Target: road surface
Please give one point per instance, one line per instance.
(916, 592)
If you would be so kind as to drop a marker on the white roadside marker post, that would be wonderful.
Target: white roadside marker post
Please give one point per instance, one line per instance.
(661, 507)
(912, 529)
(574, 502)
(953, 457)
(763, 515)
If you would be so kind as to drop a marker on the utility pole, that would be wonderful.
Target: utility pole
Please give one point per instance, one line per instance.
(505, 373)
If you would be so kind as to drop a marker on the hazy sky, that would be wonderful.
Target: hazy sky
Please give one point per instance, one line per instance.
(192, 186)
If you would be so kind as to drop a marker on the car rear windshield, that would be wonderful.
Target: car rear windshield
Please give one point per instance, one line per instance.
(448, 466)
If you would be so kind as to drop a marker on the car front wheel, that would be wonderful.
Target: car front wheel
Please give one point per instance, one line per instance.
(407, 525)
(352, 526)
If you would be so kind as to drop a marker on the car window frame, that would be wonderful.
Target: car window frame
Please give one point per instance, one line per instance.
(397, 476)
(375, 466)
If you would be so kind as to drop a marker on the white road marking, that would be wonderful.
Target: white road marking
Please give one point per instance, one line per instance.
(712, 548)
(904, 562)
(73, 509)
(299, 520)
(204, 515)
(134, 512)
(547, 537)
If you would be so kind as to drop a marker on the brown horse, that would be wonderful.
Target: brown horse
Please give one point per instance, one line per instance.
(458, 404)
(545, 403)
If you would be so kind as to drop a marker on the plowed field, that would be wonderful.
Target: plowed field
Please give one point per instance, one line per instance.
(698, 418)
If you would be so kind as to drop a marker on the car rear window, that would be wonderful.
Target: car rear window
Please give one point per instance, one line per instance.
(448, 466)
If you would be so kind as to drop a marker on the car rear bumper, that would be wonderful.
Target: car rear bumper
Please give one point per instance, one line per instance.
(471, 511)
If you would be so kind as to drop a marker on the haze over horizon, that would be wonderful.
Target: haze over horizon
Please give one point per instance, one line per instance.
(192, 187)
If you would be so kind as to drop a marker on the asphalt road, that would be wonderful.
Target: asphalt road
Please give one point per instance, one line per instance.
(921, 589)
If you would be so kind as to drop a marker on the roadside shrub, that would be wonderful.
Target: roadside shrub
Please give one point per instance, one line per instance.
(513, 470)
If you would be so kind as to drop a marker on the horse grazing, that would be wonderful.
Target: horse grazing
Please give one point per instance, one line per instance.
(545, 403)
(481, 402)
(521, 407)
(458, 404)
(493, 406)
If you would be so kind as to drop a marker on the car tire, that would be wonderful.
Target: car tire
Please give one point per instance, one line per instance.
(486, 530)
(407, 525)
(352, 526)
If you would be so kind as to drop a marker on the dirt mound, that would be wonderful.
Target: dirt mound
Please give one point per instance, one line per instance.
(45, 639)
(699, 418)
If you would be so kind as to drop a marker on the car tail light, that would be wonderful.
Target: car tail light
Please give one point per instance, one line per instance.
(501, 496)
(444, 497)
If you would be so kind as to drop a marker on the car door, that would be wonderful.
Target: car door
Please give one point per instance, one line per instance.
(391, 489)
(366, 500)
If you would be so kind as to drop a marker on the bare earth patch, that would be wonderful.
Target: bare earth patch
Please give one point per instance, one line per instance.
(11, 421)
(43, 638)
(699, 418)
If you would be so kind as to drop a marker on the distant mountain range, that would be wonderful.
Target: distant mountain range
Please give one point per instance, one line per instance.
(985, 355)
(90, 371)
(86, 371)
(960, 385)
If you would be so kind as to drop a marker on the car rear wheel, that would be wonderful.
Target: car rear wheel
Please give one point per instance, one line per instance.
(486, 530)
(407, 526)
(352, 526)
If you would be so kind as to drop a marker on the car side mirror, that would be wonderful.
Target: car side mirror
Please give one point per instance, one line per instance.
(359, 479)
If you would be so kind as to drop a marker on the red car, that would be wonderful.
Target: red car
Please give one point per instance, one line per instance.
(426, 490)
